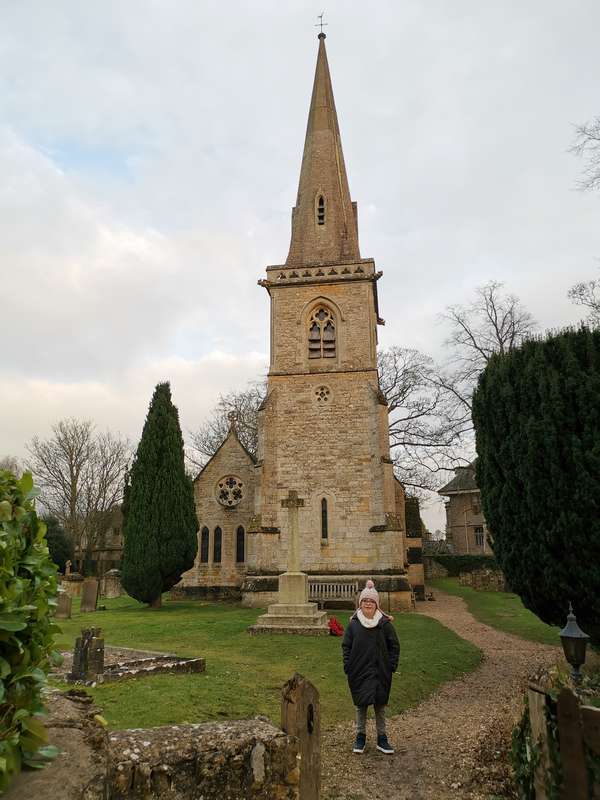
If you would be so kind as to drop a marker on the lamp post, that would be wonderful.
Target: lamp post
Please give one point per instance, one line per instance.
(574, 642)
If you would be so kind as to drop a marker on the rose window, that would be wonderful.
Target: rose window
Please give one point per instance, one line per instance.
(230, 491)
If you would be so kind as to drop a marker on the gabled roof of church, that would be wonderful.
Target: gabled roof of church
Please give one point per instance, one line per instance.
(232, 433)
(323, 175)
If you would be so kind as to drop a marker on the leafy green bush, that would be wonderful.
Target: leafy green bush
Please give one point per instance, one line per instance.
(28, 587)
(536, 413)
(455, 564)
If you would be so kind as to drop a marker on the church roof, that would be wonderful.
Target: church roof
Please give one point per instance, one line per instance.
(334, 236)
(463, 481)
(231, 434)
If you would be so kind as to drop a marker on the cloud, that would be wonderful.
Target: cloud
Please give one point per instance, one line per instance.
(149, 156)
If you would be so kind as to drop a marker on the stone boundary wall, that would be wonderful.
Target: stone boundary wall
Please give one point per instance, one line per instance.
(243, 759)
(433, 569)
(486, 580)
(212, 761)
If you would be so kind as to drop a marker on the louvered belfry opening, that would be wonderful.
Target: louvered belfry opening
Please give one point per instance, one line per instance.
(321, 334)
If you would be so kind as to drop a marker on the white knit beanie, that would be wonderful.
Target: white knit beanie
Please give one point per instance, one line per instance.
(369, 593)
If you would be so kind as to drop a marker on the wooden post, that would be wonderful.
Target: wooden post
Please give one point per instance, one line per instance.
(572, 756)
(539, 736)
(301, 717)
(590, 717)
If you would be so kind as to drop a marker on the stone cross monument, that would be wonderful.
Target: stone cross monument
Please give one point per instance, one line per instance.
(292, 613)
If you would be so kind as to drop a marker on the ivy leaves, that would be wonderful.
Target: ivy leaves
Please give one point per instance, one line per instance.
(28, 586)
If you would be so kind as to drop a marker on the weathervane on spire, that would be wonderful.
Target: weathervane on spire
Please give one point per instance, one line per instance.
(321, 23)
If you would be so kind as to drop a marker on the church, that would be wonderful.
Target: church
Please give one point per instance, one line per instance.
(323, 426)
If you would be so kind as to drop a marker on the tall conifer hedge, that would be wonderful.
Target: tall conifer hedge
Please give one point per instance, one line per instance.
(159, 526)
(537, 420)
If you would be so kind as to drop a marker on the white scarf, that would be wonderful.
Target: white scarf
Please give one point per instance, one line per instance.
(366, 622)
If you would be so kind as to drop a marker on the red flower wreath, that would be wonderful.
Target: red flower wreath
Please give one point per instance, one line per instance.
(335, 627)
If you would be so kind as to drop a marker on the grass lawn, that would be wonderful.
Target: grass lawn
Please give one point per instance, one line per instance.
(244, 673)
(501, 610)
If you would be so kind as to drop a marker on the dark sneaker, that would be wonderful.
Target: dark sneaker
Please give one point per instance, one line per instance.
(359, 744)
(383, 745)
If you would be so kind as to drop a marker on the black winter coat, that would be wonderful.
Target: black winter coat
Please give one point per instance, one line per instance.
(370, 657)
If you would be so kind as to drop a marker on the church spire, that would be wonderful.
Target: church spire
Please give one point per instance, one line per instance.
(324, 228)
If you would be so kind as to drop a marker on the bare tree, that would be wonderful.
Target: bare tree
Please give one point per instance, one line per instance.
(81, 475)
(424, 440)
(587, 145)
(495, 322)
(244, 406)
(587, 294)
(12, 464)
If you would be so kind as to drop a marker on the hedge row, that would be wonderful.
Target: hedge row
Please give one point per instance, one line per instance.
(455, 564)
(28, 586)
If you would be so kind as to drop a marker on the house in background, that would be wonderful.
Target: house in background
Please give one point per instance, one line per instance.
(466, 529)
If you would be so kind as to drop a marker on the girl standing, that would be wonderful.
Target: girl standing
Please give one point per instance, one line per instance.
(371, 651)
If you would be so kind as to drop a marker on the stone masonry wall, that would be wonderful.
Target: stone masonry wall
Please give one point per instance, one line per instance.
(463, 515)
(231, 459)
(238, 760)
(233, 760)
(327, 450)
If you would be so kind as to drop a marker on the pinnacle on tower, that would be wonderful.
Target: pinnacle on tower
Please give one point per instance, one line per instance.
(324, 227)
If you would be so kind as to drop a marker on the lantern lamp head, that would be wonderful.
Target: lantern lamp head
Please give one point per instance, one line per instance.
(574, 642)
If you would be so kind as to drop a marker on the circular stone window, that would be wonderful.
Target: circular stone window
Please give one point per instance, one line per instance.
(323, 395)
(230, 490)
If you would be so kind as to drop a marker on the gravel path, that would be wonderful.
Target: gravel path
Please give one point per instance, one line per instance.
(450, 746)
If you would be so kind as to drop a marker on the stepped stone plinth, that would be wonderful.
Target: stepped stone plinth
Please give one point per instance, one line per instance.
(293, 613)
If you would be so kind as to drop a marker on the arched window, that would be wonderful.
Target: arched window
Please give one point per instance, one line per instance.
(324, 521)
(217, 545)
(240, 545)
(204, 546)
(321, 334)
(321, 210)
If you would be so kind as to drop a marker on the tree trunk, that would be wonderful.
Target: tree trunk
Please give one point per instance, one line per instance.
(157, 602)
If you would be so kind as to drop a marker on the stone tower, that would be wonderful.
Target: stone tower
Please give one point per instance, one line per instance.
(323, 427)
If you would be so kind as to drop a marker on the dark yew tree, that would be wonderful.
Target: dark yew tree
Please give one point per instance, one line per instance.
(536, 413)
(159, 525)
(60, 545)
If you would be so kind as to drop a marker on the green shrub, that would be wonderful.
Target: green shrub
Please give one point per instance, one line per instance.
(536, 413)
(455, 564)
(28, 587)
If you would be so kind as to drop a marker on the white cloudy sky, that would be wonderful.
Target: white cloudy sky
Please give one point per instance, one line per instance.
(149, 156)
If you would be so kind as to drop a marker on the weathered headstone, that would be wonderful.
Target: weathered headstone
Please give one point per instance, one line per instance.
(89, 595)
(88, 655)
(110, 585)
(301, 717)
(72, 584)
(63, 606)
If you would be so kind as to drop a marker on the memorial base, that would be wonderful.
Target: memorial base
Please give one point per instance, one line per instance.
(293, 613)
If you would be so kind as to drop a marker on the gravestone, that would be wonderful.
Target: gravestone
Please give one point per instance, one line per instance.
(88, 655)
(63, 606)
(110, 585)
(72, 584)
(301, 717)
(89, 595)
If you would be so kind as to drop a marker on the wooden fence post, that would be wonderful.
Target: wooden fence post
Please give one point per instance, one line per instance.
(572, 756)
(301, 717)
(590, 717)
(539, 736)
